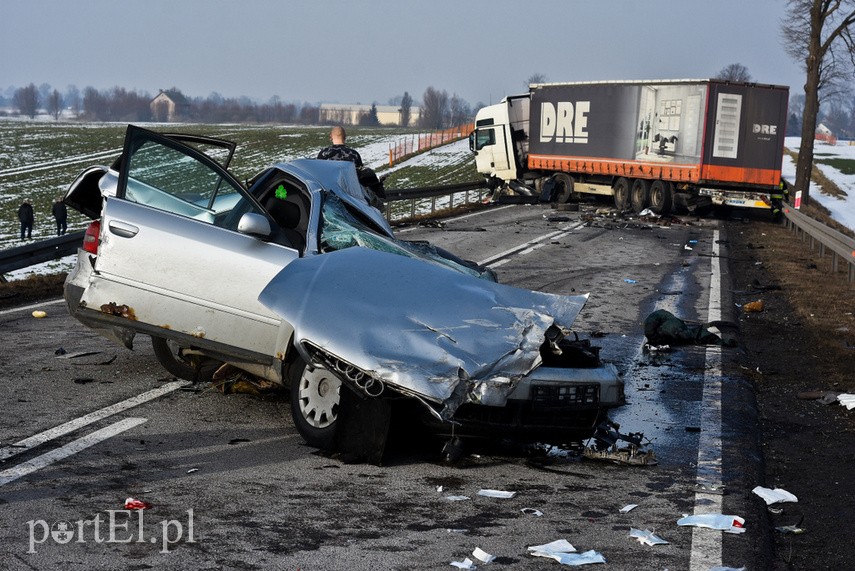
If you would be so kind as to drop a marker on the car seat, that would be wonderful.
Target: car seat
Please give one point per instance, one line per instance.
(291, 217)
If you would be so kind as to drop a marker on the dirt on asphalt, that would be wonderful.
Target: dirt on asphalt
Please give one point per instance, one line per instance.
(798, 350)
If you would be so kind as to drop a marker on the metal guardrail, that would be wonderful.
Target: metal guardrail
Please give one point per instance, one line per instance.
(841, 246)
(19, 257)
(417, 195)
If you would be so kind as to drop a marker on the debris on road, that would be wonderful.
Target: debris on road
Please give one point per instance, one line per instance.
(847, 400)
(456, 498)
(628, 508)
(664, 328)
(532, 511)
(646, 537)
(483, 556)
(134, 504)
(753, 306)
(39, 314)
(228, 379)
(606, 438)
(725, 523)
(465, 564)
(496, 494)
(774, 496)
(562, 551)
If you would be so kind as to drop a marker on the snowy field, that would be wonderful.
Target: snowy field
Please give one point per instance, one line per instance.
(843, 208)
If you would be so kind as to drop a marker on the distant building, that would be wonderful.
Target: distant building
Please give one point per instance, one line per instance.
(169, 106)
(825, 135)
(337, 113)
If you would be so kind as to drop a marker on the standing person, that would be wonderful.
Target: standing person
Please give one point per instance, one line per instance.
(25, 215)
(60, 212)
(338, 151)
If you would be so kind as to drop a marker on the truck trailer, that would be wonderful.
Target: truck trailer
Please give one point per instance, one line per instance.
(648, 144)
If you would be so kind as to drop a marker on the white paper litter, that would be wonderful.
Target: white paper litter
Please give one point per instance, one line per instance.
(572, 559)
(774, 496)
(456, 498)
(726, 523)
(482, 555)
(628, 508)
(496, 494)
(531, 511)
(847, 400)
(465, 564)
(646, 537)
(439, 489)
(559, 545)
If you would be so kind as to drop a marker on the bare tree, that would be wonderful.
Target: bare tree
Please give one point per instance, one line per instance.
(818, 34)
(535, 78)
(54, 104)
(406, 109)
(459, 111)
(26, 99)
(734, 72)
(434, 108)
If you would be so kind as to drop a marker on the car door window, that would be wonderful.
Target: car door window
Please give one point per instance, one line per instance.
(176, 178)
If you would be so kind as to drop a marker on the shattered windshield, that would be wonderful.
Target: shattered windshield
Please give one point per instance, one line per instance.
(340, 229)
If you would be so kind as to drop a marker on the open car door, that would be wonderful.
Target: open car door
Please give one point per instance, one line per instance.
(174, 256)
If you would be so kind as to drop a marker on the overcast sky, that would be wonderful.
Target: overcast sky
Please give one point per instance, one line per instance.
(369, 51)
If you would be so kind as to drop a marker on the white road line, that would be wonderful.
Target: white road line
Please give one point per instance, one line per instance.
(29, 307)
(494, 261)
(707, 544)
(82, 443)
(23, 445)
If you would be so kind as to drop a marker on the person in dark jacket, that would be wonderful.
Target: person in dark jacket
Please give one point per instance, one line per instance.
(25, 215)
(60, 213)
(338, 151)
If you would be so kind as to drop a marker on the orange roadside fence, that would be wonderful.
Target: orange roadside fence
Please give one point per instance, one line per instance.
(421, 142)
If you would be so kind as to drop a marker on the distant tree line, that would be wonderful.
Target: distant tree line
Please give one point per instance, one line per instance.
(438, 109)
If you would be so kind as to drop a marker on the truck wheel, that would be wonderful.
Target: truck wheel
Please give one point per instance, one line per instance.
(315, 399)
(621, 193)
(167, 353)
(640, 194)
(563, 190)
(661, 197)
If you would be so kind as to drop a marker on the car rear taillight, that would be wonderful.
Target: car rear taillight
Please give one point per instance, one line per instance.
(90, 239)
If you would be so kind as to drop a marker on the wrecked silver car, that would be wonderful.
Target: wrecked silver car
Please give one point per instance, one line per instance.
(296, 279)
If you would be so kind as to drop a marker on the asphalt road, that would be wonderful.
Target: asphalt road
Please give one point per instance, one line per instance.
(231, 484)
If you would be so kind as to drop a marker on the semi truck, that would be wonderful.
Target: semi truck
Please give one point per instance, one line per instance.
(659, 144)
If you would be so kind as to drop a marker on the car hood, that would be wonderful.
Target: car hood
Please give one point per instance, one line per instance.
(425, 330)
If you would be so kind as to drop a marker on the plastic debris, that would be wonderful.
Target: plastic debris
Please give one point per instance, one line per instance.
(531, 511)
(496, 494)
(465, 564)
(628, 508)
(456, 498)
(39, 314)
(774, 496)
(606, 438)
(847, 400)
(726, 523)
(439, 488)
(646, 537)
(629, 281)
(134, 504)
(753, 306)
(795, 530)
(191, 470)
(482, 555)
(562, 551)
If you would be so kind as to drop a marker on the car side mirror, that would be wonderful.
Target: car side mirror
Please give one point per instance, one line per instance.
(254, 225)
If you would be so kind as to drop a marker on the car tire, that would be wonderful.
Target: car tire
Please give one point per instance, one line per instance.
(315, 399)
(621, 193)
(640, 194)
(167, 353)
(661, 197)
